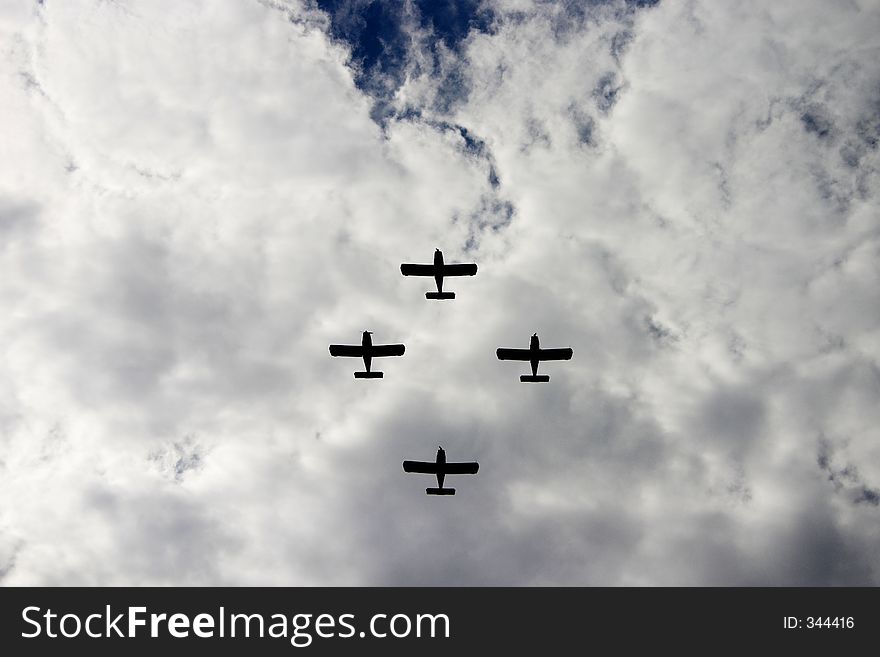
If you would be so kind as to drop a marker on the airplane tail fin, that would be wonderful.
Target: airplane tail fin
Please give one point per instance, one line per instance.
(368, 375)
(540, 378)
(440, 491)
(439, 295)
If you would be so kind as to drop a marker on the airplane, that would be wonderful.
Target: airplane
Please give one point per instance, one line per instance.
(534, 354)
(367, 350)
(441, 468)
(438, 270)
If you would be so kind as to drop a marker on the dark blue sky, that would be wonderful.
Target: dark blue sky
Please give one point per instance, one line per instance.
(375, 32)
(373, 28)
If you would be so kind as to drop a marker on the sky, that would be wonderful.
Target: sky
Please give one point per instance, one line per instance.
(197, 197)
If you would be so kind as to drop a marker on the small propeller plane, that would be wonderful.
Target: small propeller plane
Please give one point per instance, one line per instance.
(534, 354)
(441, 468)
(438, 270)
(368, 351)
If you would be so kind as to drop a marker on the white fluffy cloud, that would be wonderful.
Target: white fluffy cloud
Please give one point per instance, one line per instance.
(194, 202)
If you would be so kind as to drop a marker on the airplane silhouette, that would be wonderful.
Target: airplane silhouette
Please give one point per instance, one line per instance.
(534, 354)
(438, 270)
(441, 468)
(367, 350)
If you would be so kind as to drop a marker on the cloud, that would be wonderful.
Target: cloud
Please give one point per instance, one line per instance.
(199, 197)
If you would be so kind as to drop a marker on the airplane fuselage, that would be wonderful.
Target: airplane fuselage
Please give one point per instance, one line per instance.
(438, 265)
(441, 461)
(367, 344)
(534, 348)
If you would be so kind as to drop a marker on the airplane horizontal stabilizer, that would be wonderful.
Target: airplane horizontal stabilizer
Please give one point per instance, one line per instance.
(540, 378)
(368, 375)
(440, 491)
(439, 295)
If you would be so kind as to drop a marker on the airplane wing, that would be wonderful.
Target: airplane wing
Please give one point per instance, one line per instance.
(422, 467)
(380, 350)
(554, 354)
(461, 468)
(459, 270)
(354, 351)
(417, 270)
(513, 354)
